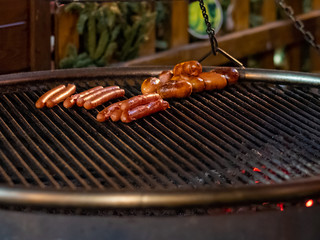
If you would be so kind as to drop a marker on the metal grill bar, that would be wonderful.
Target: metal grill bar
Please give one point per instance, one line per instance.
(227, 108)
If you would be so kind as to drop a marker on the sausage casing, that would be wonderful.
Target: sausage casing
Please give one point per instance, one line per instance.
(150, 85)
(198, 84)
(231, 74)
(41, 102)
(61, 95)
(146, 110)
(213, 80)
(103, 97)
(175, 89)
(106, 112)
(139, 100)
(92, 95)
(70, 101)
(165, 76)
(192, 68)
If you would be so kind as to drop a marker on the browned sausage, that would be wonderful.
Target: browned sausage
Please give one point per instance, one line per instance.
(103, 97)
(139, 100)
(116, 115)
(82, 100)
(61, 95)
(213, 80)
(177, 70)
(145, 110)
(165, 76)
(70, 101)
(150, 85)
(231, 74)
(41, 102)
(106, 113)
(175, 89)
(192, 68)
(198, 84)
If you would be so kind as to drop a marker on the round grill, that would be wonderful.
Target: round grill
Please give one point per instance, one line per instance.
(251, 142)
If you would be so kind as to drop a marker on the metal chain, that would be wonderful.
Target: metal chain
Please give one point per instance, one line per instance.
(298, 24)
(213, 41)
(210, 31)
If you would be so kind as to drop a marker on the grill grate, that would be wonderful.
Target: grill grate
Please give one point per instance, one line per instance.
(247, 134)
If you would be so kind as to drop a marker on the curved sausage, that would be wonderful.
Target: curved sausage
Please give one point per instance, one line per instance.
(177, 70)
(139, 100)
(145, 110)
(61, 95)
(198, 84)
(116, 115)
(41, 102)
(192, 68)
(70, 101)
(150, 85)
(82, 100)
(213, 80)
(165, 76)
(175, 89)
(103, 97)
(231, 74)
(105, 113)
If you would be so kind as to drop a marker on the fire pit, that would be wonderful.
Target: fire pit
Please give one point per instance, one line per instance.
(253, 142)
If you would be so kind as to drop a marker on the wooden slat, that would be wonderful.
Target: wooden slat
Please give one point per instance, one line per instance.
(239, 44)
(178, 24)
(269, 15)
(315, 55)
(240, 14)
(12, 11)
(293, 51)
(13, 51)
(40, 32)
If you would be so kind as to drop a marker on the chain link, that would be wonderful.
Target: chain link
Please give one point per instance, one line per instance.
(210, 31)
(298, 24)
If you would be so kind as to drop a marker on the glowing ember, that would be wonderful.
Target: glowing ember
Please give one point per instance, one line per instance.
(257, 181)
(309, 203)
(280, 206)
(256, 169)
(243, 171)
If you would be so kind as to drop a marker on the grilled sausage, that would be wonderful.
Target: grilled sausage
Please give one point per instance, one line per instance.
(106, 113)
(198, 84)
(70, 101)
(175, 89)
(192, 68)
(61, 95)
(150, 85)
(165, 76)
(41, 102)
(144, 110)
(213, 80)
(139, 100)
(82, 100)
(116, 115)
(231, 74)
(103, 97)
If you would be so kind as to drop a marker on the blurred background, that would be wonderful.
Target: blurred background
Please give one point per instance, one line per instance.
(41, 34)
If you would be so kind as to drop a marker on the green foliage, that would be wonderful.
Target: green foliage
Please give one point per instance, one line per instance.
(112, 31)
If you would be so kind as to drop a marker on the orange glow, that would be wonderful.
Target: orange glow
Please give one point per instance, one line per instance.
(309, 203)
(256, 169)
